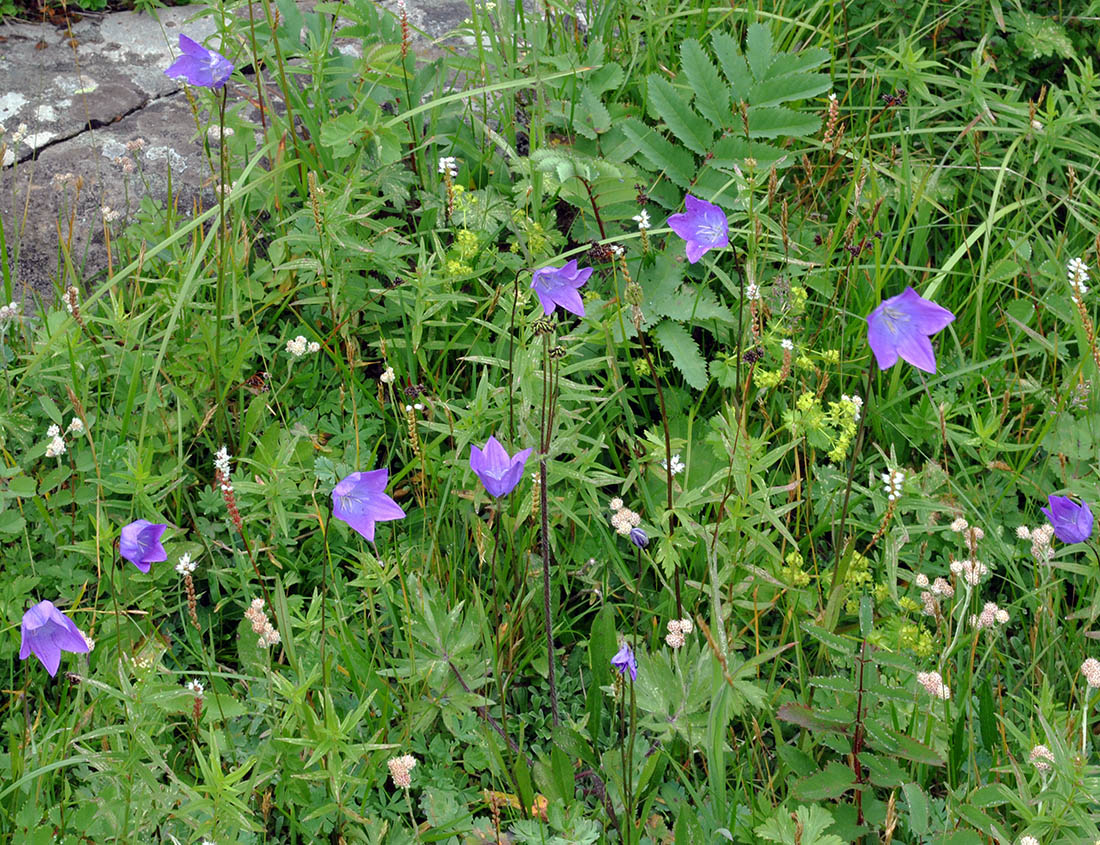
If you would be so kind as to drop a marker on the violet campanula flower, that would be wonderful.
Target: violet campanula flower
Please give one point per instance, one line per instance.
(558, 286)
(639, 538)
(360, 500)
(498, 472)
(199, 66)
(624, 660)
(140, 543)
(703, 225)
(900, 327)
(46, 633)
(1071, 523)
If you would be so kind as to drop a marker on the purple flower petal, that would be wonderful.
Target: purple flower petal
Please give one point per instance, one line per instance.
(703, 226)
(900, 327)
(139, 542)
(1072, 523)
(46, 632)
(498, 473)
(557, 286)
(360, 500)
(200, 66)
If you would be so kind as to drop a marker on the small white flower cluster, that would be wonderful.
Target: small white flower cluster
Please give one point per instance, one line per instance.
(1042, 758)
(221, 461)
(787, 344)
(854, 400)
(971, 533)
(990, 617)
(418, 406)
(892, 481)
(678, 629)
(260, 624)
(194, 687)
(61, 181)
(642, 219)
(934, 685)
(136, 145)
(448, 166)
(9, 313)
(752, 292)
(1029, 840)
(401, 770)
(972, 571)
(932, 593)
(1078, 273)
(88, 641)
(185, 566)
(1042, 547)
(677, 464)
(623, 518)
(109, 214)
(300, 346)
(1091, 670)
(388, 377)
(216, 133)
(56, 447)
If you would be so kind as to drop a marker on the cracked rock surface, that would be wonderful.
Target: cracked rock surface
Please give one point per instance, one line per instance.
(83, 93)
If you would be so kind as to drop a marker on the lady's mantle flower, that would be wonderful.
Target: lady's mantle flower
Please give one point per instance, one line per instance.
(900, 327)
(360, 500)
(703, 226)
(199, 66)
(46, 633)
(499, 473)
(1072, 523)
(140, 543)
(558, 286)
(401, 770)
(624, 660)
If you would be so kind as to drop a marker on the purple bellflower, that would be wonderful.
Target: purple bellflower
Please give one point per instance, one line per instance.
(900, 327)
(140, 543)
(360, 500)
(703, 225)
(199, 66)
(639, 538)
(499, 473)
(1071, 523)
(558, 286)
(624, 660)
(46, 633)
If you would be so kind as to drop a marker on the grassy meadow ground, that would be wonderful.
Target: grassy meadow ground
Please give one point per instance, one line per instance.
(753, 582)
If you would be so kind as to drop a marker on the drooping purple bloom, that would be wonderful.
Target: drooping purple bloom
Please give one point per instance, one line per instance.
(558, 286)
(1071, 523)
(499, 473)
(900, 327)
(46, 633)
(639, 538)
(703, 225)
(624, 660)
(200, 66)
(360, 500)
(140, 543)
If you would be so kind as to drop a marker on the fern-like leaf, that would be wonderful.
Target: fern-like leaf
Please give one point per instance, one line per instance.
(678, 343)
(677, 163)
(671, 106)
(711, 97)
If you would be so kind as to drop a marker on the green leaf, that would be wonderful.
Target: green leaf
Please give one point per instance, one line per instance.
(688, 831)
(758, 49)
(808, 59)
(776, 121)
(671, 106)
(918, 808)
(677, 163)
(711, 96)
(799, 86)
(678, 342)
(828, 784)
(592, 117)
(733, 65)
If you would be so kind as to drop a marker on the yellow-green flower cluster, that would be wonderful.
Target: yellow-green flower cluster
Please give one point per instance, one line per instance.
(767, 379)
(843, 415)
(792, 573)
(916, 639)
(909, 605)
(466, 244)
(797, 299)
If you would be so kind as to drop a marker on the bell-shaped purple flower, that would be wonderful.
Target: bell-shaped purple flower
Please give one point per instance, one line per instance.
(200, 66)
(639, 538)
(624, 660)
(499, 473)
(46, 633)
(1071, 523)
(558, 286)
(703, 225)
(140, 543)
(360, 500)
(900, 327)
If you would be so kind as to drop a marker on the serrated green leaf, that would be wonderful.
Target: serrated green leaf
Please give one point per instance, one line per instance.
(734, 149)
(797, 86)
(592, 118)
(677, 163)
(830, 783)
(918, 808)
(690, 304)
(678, 343)
(777, 121)
(733, 65)
(804, 60)
(758, 49)
(671, 106)
(712, 98)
